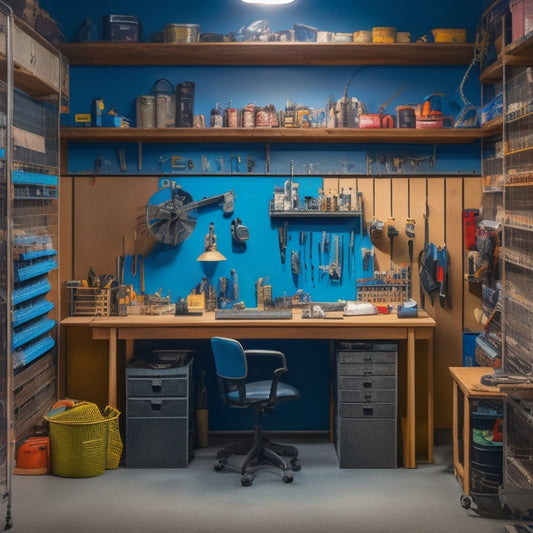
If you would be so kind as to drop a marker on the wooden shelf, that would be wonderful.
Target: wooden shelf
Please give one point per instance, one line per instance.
(254, 53)
(274, 135)
(36, 63)
(517, 53)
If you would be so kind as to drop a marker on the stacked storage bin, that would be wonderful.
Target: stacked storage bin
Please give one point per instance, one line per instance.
(366, 404)
(158, 414)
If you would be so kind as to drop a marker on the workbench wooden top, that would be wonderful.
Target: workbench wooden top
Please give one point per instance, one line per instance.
(208, 319)
(469, 380)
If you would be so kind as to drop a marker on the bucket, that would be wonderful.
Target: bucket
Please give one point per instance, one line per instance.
(182, 33)
(383, 35)
(449, 35)
(522, 17)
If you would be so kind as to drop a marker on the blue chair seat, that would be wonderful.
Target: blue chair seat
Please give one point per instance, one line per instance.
(258, 391)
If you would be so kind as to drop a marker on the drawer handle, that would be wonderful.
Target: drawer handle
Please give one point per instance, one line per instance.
(367, 359)
(367, 384)
(156, 405)
(368, 411)
(368, 372)
(368, 397)
(156, 385)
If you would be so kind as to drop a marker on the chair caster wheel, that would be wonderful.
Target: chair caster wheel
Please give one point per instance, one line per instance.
(287, 478)
(247, 480)
(466, 501)
(295, 465)
(219, 466)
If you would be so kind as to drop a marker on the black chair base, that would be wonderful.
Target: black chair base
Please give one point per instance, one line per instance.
(261, 453)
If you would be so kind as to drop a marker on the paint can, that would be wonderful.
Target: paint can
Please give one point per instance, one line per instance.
(165, 111)
(406, 117)
(362, 36)
(449, 35)
(403, 37)
(182, 33)
(383, 35)
(248, 116)
(146, 111)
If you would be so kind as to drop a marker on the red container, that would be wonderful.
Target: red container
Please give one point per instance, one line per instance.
(522, 17)
(33, 457)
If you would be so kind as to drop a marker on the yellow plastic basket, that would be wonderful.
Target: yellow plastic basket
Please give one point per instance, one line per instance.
(83, 442)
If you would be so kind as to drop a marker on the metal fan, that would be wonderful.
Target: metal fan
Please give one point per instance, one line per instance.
(171, 213)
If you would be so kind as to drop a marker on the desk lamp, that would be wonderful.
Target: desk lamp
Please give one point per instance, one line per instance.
(210, 247)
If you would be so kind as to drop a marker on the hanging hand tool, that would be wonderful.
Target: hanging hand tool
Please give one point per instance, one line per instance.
(469, 228)
(443, 262)
(410, 232)
(392, 231)
(334, 269)
(303, 239)
(97, 165)
(351, 252)
(282, 238)
(122, 160)
(311, 258)
(427, 261)
(375, 226)
(135, 252)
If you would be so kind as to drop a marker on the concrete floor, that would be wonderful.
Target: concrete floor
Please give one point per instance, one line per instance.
(322, 498)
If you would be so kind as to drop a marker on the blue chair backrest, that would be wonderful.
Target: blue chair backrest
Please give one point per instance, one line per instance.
(230, 360)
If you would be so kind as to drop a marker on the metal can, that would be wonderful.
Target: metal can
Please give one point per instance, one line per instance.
(182, 33)
(165, 111)
(146, 111)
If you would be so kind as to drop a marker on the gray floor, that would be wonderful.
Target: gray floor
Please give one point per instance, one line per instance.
(322, 498)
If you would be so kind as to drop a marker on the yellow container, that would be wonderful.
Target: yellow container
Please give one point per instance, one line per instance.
(362, 36)
(83, 442)
(383, 35)
(403, 37)
(449, 35)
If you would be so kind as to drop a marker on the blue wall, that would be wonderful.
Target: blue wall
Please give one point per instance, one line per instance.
(175, 268)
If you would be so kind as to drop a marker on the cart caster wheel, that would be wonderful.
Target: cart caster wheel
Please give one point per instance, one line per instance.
(287, 478)
(247, 480)
(219, 466)
(295, 465)
(466, 501)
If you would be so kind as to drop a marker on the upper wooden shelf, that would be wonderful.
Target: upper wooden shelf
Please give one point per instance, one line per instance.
(517, 53)
(36, 63)
(275, 135)
(275, 53)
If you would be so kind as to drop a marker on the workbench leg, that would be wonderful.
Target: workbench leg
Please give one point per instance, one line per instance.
(431, 400)
(455, 430)
(130, 346)
(112, 383)
(411, 404)
(466, 441)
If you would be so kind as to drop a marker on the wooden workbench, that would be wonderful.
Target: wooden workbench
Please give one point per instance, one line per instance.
(375, 327)
(467, 386)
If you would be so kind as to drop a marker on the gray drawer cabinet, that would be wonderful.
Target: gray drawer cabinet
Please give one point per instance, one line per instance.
(158, 416)
(366, 404)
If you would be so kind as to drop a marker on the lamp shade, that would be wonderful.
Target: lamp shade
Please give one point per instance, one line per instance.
(211, 255)
(210, 247)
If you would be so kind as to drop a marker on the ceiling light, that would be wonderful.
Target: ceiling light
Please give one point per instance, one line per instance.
(268, 2)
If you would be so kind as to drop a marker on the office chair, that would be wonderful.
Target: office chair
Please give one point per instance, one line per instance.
(231, 362)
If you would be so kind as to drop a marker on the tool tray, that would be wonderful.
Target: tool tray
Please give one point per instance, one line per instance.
(90, 301)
